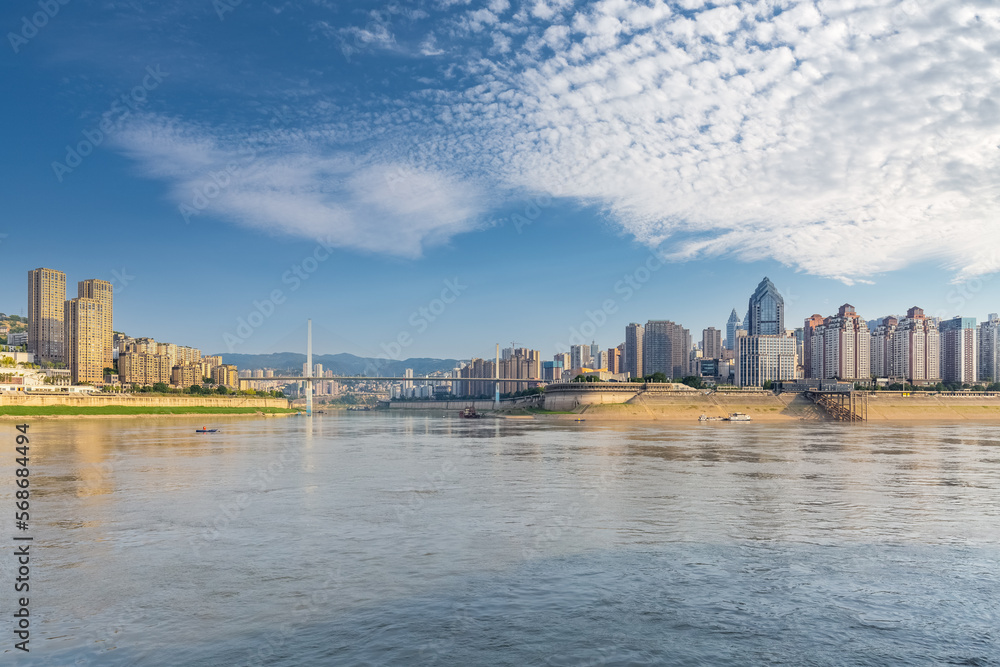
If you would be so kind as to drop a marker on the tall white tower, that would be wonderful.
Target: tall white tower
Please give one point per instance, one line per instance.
(309, 365)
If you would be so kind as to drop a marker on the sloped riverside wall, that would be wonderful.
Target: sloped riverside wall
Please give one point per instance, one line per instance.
(38, 400)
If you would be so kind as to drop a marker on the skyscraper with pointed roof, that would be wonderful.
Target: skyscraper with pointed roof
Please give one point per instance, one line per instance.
(764, 351)
(732, 325)
(766, 311)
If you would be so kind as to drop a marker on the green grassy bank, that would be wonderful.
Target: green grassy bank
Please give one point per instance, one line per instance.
(56, 410)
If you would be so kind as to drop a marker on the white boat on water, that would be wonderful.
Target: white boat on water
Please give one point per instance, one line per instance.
(739, 417)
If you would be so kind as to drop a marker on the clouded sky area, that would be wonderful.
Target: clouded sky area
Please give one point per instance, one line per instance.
(353, 157)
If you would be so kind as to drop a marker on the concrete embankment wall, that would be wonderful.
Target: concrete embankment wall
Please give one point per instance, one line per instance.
(459, 404)
(635, 401)
(440, 405)
(559, 397)
(689, 407)
(38, 400)
(763, 406)
(885, 406)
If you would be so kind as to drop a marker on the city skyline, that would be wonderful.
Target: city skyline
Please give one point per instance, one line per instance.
(389, 351)
(919, 348)
(439, 170)
(522, 332)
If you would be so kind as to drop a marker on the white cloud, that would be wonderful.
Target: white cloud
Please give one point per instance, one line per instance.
(429, 47)
(501, 43)
(842, 137)
(861, 137)
(498, 6)
(285, 187)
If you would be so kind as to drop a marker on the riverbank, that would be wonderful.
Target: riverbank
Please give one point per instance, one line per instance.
(58, 411)
(688, 407)
(20, 405)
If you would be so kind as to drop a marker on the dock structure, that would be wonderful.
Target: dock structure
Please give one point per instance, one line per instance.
(848, 406)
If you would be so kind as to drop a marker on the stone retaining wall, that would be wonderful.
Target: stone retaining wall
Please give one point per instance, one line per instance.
(39, 400)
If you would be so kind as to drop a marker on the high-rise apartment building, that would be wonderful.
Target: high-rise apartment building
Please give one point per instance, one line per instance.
(534, 358)
(102, 292)
(210, 362)
(711, 343)
(694, 357)
(810, 369)
(989, 349)
(144, 345)
(84, 340)
(522, 364)
(764, 350)
(564, 359)
(552, 371)
(169, 350)
(614, 360)
(799, 352)
(142, 368)
(839, 346)
(732, 326)
(633, 350)
(657, 348)
(226, 375)
(959, 350)
(579, 356)
(760, 359)
(46, 310)
(186, 375)
(188, 355)
(666, 348)
(917, 348)
(882, 349)
(765, 311)
(477, 368)
(177, 354)
(120, 341)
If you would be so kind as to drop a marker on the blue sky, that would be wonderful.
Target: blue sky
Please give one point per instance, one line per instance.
(536, 153)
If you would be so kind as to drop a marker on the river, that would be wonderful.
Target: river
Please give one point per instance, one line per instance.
(383, 539)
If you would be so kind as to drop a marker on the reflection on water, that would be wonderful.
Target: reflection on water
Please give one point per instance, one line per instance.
(384, 539)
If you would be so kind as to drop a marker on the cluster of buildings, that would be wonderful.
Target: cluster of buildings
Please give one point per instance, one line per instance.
(75, 332)
(751, 352)
(144, 361)
(915, 348)
(79, 333)
(320, 387)
(513, 363)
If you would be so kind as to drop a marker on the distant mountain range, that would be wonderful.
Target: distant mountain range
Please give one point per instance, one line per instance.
(340, 364)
